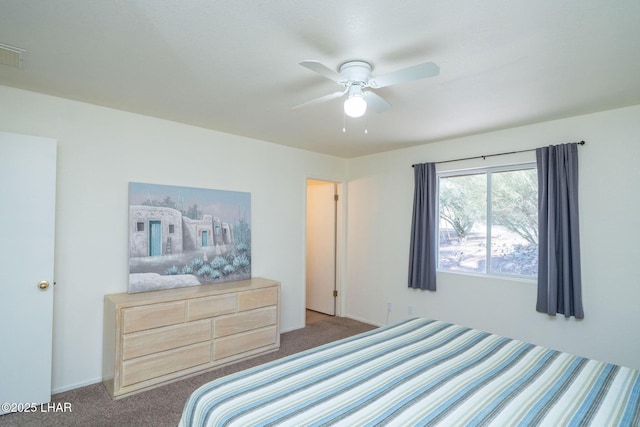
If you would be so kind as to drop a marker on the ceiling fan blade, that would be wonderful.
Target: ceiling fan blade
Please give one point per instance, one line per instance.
(415, 72)
(323, 70)
(324, 98)
(376, 102)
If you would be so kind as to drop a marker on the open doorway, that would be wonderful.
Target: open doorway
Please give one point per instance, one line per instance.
(321, 248)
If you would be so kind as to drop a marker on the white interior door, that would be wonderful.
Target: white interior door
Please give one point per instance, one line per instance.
(321, 246)
(27, 216)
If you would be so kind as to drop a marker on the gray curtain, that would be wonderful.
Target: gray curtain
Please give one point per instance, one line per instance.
(559, 278)
(424, 226)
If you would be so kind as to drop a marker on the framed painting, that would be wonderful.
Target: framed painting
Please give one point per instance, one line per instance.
(185, 236)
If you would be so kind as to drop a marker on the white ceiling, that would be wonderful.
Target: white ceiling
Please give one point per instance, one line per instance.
(233, 65)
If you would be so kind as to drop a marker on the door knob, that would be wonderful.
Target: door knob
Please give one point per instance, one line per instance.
(43, 285)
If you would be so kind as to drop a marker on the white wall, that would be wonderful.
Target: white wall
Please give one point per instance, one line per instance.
(100, 150)
(379, 219)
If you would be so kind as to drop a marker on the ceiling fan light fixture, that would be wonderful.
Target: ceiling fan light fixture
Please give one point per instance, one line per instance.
(355, 105)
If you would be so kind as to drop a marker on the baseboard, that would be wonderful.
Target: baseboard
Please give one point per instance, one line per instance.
(282, 331)
(362, 320)
(75, 386)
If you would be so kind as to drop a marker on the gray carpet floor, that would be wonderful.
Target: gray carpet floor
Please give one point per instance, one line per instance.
(92, 405)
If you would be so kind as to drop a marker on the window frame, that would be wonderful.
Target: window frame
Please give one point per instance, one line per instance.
(488, 171)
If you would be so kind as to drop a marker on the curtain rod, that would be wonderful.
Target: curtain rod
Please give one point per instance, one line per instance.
(493, 155)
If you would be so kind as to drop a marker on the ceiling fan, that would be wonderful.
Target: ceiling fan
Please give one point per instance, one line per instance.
(355, 77)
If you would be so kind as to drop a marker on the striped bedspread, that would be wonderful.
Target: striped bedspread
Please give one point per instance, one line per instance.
(422, 373)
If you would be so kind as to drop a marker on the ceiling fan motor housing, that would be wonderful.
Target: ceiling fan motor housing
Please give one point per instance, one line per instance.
(356, 71)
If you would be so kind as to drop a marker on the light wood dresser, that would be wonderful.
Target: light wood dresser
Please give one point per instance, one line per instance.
(153, 338)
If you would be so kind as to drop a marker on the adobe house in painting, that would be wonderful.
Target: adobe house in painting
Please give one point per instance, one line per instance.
(155, 231)
(208, 231)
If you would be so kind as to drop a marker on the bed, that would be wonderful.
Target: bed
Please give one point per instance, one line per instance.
(422, 372)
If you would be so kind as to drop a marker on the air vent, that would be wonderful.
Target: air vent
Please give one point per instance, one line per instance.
(11, 56)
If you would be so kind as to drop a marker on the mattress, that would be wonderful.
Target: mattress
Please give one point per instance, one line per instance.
(422, 372)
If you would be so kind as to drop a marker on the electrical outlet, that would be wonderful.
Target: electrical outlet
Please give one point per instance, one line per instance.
(389, 307)
(410, 310)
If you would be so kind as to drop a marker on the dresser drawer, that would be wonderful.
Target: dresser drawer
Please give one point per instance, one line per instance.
(159, 364)
(244, 321)
(148, 342)
(202, 308)
(240, 343)
(258, 298)
(153, 316)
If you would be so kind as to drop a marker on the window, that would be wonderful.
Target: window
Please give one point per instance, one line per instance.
(489, 221)
(171, 228)
(140, 226)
